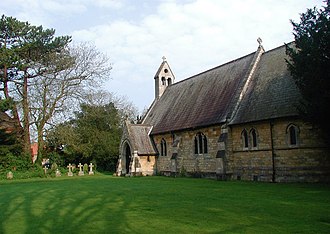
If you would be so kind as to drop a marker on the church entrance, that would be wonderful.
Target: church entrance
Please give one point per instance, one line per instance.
(128, 157)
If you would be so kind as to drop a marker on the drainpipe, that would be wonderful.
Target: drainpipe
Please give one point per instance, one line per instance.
(273, 151)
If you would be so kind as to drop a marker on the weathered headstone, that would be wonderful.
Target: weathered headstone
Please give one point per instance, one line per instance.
(70, 168)
(81, 172)
(10, 175)
(91, 172)
(58, 173)
(45, 169)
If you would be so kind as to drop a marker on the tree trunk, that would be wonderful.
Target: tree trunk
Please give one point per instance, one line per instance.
(13, 108)
(6, 93)
(26, 122)
(41, 143)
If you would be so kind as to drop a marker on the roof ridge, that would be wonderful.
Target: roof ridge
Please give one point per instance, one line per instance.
(213, 68)
(279, 47)
(249, 76)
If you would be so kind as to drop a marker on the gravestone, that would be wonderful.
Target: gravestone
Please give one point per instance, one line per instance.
(10, 175)
(58, 173)
(91, 172)
(81, 172)
(45, 169)
(70, 170)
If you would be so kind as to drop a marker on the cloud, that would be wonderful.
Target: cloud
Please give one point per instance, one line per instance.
(113, 4)
(193, 35)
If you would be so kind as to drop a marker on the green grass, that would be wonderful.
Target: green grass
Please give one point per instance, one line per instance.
(106, 204)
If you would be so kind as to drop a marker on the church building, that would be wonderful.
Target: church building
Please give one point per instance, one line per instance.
(237, 121)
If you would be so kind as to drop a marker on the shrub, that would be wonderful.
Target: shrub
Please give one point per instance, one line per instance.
(55, 157)
(85, 168)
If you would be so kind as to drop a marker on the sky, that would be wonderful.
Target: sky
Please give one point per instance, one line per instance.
(193, 35)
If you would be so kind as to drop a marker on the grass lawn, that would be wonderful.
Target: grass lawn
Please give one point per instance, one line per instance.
(106, 204)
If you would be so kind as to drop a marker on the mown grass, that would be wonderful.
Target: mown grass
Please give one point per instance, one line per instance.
(106, 204)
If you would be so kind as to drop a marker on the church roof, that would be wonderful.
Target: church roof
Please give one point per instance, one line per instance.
(140, 140)
(217, 95)
(272, 92)
(202, 100)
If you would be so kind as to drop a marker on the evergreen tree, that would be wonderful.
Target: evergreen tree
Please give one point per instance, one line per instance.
(309, 65)
(25, 52)
(93, 135)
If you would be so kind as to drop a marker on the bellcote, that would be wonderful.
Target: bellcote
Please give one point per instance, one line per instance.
(164, 77)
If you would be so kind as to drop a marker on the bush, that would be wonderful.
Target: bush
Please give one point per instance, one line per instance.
(33, 171)
(10, 161)
(55, 157)
(85, 168)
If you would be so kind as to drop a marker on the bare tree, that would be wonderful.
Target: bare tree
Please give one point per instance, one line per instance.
(126, 109)
(53, 93)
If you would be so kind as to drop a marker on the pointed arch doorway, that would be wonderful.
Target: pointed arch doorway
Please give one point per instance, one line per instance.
(128, 156)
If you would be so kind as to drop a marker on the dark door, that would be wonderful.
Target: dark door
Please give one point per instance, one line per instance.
(128, 157)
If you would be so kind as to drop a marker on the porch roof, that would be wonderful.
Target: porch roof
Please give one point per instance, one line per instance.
(140, 140)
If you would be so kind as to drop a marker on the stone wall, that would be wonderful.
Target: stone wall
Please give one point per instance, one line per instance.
(276, 159)
(250, 163)
(273, 159)
(147, 164)
(182, 159)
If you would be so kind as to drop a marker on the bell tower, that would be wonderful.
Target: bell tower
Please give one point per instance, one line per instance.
(164, 77)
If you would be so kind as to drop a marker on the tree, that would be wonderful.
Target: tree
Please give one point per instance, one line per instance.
(25, 52)
(126, 109)
(94, 135)
(43, 76)
(81, 67)
(309, 65)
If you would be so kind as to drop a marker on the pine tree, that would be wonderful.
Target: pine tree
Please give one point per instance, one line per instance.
(309, 65)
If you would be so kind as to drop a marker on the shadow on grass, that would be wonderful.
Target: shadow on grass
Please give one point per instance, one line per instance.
(61, 206)
(106, 204)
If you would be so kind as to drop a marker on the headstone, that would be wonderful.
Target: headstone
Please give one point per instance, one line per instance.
(10, 175)
(91, 172)
(70, 168)
(58, 173)
(81, 172)
(45, 169)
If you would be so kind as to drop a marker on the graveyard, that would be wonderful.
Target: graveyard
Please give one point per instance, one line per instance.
(103, 203)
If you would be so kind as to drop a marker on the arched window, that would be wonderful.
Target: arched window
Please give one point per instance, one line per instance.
(196, 145)
(200, 143)
(169, 81)
(292, 134)
(205, 144)
(163, 148)
(254, 140)
(245, 139)
(163, 81)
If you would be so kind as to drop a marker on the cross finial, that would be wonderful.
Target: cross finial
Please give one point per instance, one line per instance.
(259, 41)
(164, 58)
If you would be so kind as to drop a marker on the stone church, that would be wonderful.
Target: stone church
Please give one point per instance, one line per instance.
(237, 121)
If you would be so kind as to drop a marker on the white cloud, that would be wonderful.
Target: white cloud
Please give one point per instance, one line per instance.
(115, 4)
(193, 35)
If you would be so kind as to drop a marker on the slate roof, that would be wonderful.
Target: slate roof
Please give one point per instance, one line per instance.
(140, 140)
(272, 92)
(211, 97)
(202, 100)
